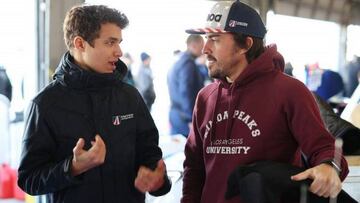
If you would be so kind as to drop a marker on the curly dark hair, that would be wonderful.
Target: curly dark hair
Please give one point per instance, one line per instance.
(86, 20)
(253, 52)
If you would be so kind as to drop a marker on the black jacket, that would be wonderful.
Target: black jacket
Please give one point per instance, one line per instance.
(339, 127)
(270, 182)
(80, 103)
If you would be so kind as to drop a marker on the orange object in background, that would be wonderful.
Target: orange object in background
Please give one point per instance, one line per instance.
(6, 189)
(17, 191)
(8, 183)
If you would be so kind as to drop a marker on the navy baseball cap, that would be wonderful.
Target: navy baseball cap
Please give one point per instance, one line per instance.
(144, 56)
(232, 16)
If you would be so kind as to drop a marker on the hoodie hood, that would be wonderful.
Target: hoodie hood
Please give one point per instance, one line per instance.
(72, 75)
(269, 61)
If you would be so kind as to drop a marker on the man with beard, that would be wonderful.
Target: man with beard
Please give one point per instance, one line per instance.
(252, 100)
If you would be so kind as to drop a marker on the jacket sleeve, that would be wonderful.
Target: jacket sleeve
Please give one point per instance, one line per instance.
(315, 141)
(39, 172)
(148, 153)
(194, 169)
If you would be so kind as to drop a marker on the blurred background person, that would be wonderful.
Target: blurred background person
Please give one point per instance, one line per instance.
(5, 84)
(201, 62)
(331, 84)
(288, 69)
(353, 75)
(326, 83)
(184, 82)
(144, 81)
(5, 99)
(176, 53)
(128, 60)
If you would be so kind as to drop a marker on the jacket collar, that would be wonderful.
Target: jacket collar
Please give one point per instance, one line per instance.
(269, 61)
(72, 75)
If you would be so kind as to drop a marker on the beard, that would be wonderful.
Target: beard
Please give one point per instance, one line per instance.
(216, 73)
(220, 69)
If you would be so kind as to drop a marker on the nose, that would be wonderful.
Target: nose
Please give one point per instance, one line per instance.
(206, 49)
(118, 51)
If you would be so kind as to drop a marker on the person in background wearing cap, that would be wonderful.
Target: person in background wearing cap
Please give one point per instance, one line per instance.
(184, 82)
(253, 112)
(89, 136)
(144, 80)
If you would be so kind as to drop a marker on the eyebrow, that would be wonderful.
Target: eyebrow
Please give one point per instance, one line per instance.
(212, 35)
(114, 39)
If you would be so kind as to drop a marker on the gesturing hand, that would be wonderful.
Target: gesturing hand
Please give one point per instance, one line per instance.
(326, 181)
(84, 160)
(148, 180)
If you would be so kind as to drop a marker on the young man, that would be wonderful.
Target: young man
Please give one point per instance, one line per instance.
(252, 113)
(89, 136)
(184, 82)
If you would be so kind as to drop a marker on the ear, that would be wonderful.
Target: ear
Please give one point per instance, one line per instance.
(249, 43)
(79, 43)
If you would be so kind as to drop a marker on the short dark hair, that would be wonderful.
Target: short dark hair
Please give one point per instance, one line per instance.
(255, 50)
(193, 38)
(86, 20)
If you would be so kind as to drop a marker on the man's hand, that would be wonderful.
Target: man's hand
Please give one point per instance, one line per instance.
(148, 180)
(326, 181)
(84, 160)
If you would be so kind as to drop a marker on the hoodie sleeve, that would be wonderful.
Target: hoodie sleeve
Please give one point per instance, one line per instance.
(308, 128)
(148, 153)
(194, 169)
(39, 173)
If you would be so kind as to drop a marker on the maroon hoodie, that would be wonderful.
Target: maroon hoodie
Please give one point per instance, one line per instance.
(263, 115)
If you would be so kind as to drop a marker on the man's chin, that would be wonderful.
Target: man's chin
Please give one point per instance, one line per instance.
(215, 75)
(110, 70)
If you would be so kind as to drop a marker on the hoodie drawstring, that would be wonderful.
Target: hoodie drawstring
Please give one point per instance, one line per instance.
(213, 130)
(231, 108)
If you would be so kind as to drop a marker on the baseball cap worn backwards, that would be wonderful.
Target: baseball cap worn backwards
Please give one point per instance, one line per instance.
(232, 16)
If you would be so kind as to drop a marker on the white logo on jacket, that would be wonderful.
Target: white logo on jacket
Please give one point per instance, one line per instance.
(116, 120)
